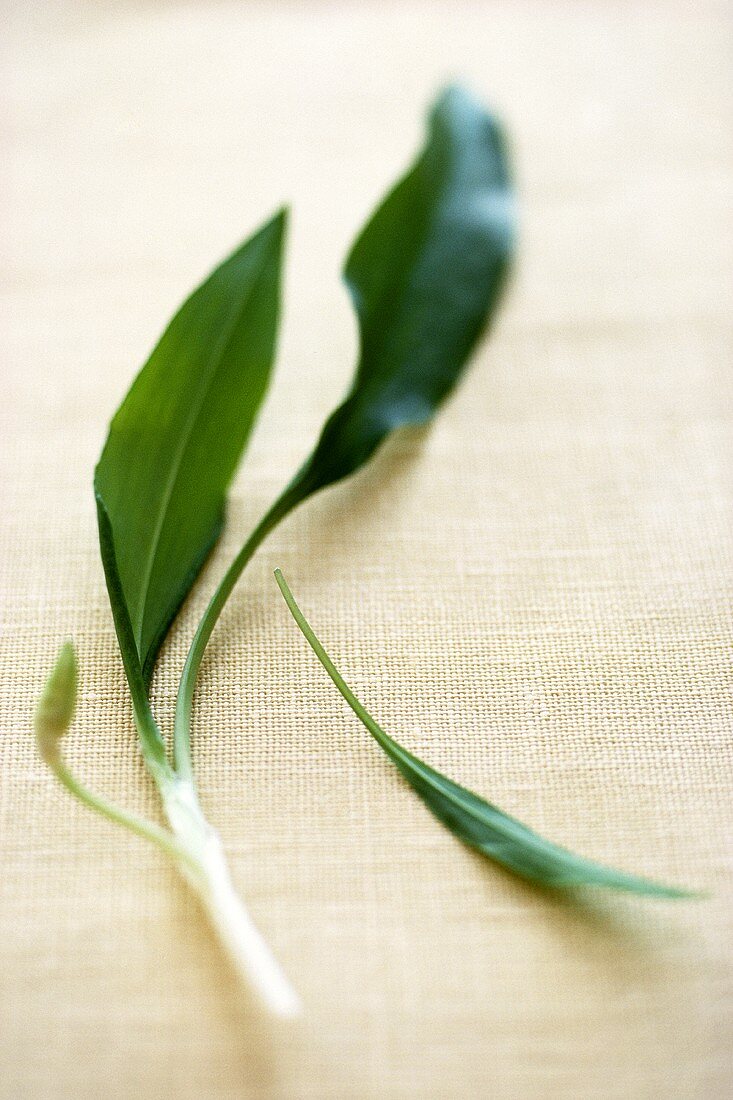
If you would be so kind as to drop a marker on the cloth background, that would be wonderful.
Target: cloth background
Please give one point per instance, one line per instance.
(535, 594)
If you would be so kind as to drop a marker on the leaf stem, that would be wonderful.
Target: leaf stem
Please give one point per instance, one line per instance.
(376, 730)
(207, 872)
(165, 840)
(243, 941)
(182, 731)
(198, 853)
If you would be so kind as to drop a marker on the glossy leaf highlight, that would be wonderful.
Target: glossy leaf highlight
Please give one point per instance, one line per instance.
(425, 276)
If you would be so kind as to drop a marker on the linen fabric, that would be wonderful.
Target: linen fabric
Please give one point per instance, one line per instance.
(534, 595)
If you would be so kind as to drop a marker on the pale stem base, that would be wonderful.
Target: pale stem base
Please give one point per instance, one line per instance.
(208, 874)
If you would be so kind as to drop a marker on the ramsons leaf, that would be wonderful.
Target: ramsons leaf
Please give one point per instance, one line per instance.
(175, 442)
(474, 821)
(425, 276)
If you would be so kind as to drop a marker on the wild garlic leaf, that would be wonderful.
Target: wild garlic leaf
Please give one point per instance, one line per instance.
(425, 276)
(175, 442)
(474, 821)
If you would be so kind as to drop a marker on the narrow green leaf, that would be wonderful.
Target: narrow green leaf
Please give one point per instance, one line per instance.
(474, 821)
(175, 442)
(425, 276)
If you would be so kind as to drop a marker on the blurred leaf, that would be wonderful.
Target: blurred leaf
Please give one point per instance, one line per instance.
(474, 821)
(425, 277)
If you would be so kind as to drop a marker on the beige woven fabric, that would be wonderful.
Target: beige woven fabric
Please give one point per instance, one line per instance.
(536, 595)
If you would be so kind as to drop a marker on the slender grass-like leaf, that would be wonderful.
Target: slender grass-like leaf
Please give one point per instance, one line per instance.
(474, 821)
(175, 441)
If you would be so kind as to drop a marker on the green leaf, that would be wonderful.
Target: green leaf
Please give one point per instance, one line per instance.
(425, 276)
(175, 442)
(474, 821)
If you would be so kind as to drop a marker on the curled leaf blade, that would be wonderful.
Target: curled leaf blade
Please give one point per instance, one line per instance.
(425, 276)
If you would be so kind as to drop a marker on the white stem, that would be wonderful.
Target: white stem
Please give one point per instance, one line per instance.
(212, 881)
(241, 937)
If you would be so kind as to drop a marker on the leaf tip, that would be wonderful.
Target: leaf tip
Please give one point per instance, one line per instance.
(278, 223)
(681, 893)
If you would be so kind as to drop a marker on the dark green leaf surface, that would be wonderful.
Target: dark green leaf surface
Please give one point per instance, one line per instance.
(175, 441)
(425, 276)
(476, 822)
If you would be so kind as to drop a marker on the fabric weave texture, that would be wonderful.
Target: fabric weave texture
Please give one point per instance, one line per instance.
(534, 596)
